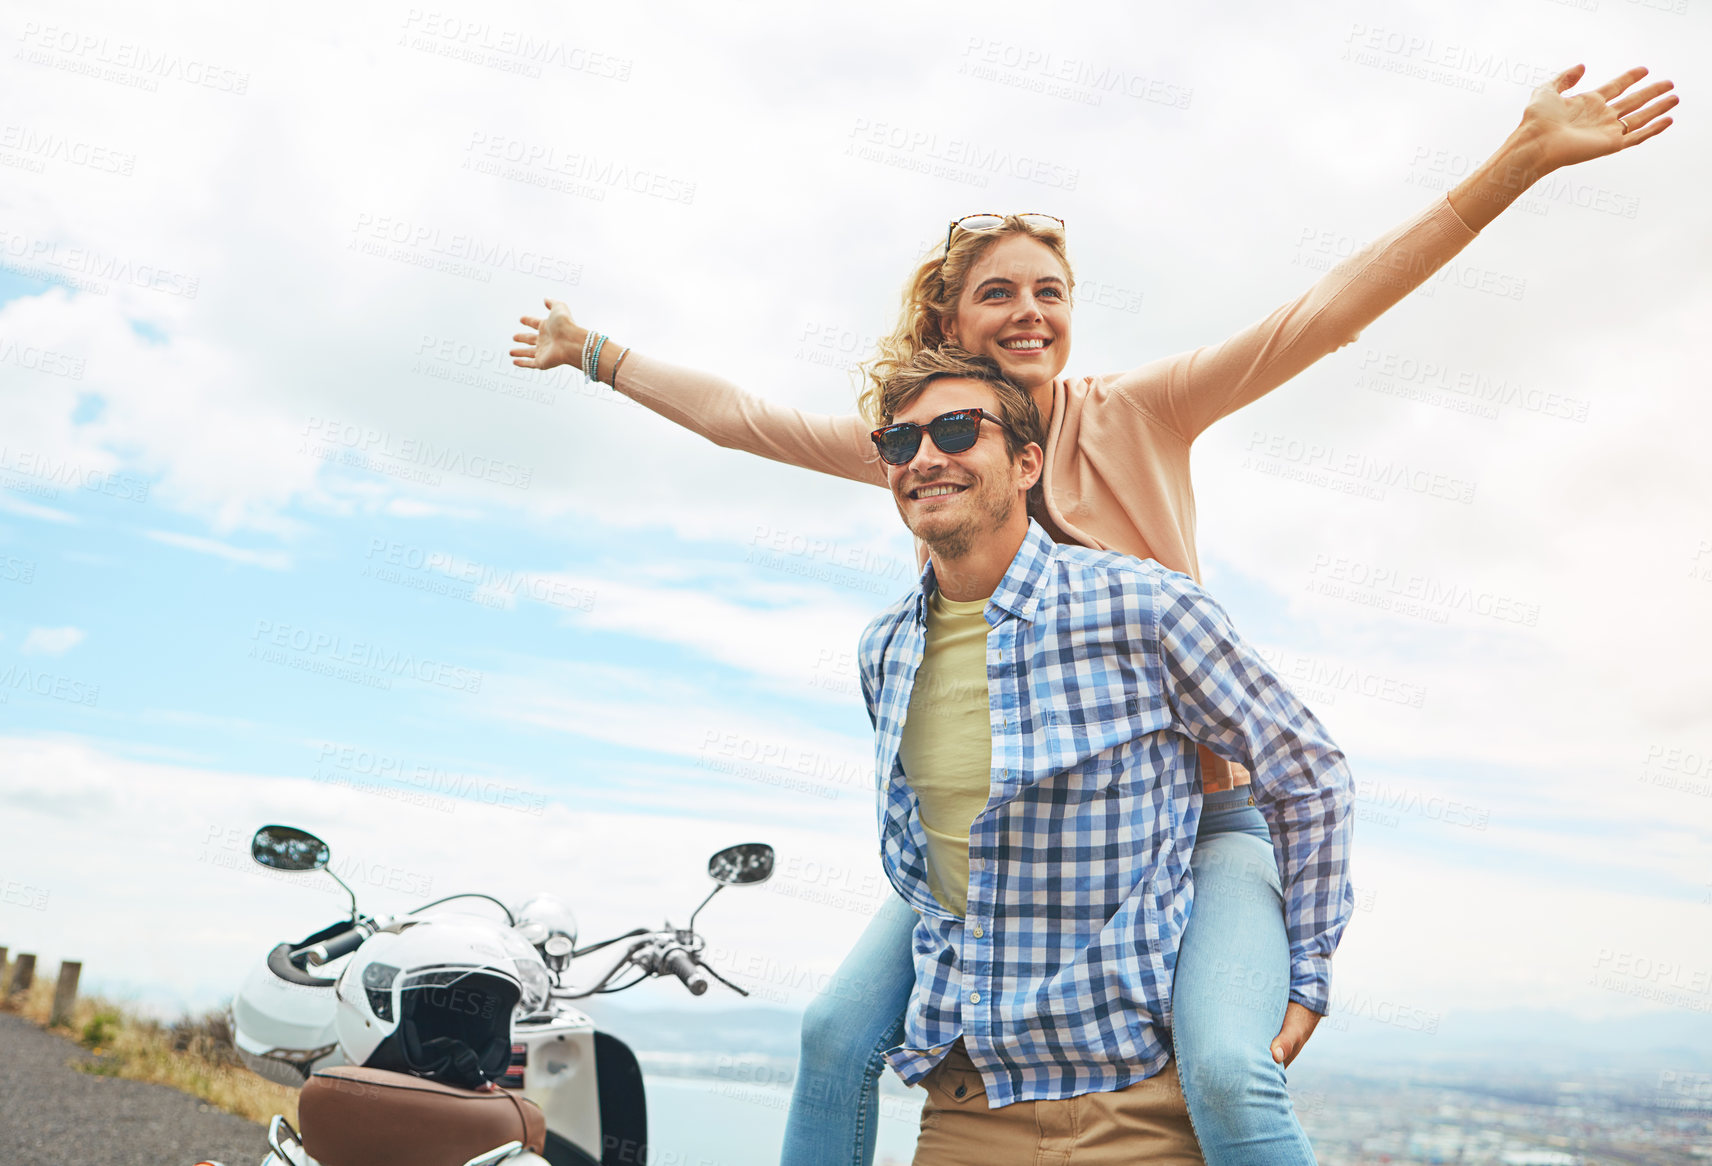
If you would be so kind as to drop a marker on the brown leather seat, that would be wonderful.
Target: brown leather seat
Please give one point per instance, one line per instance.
(352, 1116)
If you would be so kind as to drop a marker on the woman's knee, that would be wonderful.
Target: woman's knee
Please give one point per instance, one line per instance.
(840, 1032)
(859, 1010)
(1225, 1074)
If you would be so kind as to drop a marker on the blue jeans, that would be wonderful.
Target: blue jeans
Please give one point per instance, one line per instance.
(1232, 982)
(1228, 995)
(835, 1104)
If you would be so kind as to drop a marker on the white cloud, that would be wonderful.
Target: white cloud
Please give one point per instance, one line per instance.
(417, 508)
(725, 741)
(272, 560)
(14, 505)
(799, 637)
(51, 641)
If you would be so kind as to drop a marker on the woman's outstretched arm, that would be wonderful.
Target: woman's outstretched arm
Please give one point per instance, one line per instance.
(1189, 391)
(708, 405)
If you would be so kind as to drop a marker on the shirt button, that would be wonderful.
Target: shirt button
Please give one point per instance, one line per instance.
(978, 932)
(974, 997)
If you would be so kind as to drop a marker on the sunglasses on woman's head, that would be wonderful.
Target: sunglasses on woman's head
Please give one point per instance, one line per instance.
(953, 432)
(993, 222)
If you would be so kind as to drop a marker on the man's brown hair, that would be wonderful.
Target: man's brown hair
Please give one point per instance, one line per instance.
(909, 380)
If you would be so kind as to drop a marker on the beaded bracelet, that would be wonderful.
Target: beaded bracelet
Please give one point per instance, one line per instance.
(588, 345)
(594, 361)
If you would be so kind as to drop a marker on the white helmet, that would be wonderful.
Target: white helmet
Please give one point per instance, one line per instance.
(436, 1001)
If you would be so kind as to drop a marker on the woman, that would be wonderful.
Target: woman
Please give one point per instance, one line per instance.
(1116, 477)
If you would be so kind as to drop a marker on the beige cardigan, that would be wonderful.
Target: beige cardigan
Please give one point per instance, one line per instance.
(1117, 448)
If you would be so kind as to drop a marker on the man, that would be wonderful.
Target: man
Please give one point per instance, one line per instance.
(1037, 709)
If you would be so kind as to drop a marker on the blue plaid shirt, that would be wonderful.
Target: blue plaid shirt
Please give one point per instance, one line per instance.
(1103, 671)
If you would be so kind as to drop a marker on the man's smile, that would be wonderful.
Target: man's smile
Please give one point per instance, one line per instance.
(935, 490)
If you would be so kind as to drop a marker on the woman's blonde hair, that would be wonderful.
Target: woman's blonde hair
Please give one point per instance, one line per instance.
(930, 298)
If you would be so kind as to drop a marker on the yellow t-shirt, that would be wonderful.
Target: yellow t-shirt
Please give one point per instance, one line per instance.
(947, 745)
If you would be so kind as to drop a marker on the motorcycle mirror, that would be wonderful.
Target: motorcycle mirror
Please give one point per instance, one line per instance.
(741, 865)
(288, 848)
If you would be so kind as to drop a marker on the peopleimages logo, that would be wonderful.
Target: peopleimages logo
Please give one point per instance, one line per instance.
(38, 254)
(1434, 376)
(467, 249)
(497, 583)
(465, 1000)
(1038, 70)
(1320, 464)
(374, 771)
(1416, 55)
(538, 160)
(370, 448)
(960, 159)
(52, 472)
(44, 360)
(515, 50)
(1323, 681)
(42, 146)
(308, 644)
(128, 62)
(19, 678)
(16, 893)
(1409, 593)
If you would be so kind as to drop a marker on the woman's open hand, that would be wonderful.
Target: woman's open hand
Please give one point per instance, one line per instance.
(555, 340)
(1571, 129)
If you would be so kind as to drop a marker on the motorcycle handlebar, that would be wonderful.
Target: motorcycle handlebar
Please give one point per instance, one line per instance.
(330, 950)
(679, 963)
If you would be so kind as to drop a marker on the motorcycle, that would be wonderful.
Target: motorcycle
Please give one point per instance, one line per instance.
(418, 1051)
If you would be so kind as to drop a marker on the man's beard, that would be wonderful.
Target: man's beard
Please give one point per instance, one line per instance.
(987, 516)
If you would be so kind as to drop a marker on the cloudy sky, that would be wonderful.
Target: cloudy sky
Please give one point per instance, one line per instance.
(284, 537)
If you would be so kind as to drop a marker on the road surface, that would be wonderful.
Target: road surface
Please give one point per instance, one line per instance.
(53, 1115)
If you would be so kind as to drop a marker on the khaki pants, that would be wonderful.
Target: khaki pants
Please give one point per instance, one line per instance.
(1146, 1122)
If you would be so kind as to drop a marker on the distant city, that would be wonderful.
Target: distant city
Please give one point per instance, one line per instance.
(1517, 1119)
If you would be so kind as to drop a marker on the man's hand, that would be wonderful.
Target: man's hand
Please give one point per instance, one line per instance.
(1567, 130)
(556, 340)
(1299, 1025)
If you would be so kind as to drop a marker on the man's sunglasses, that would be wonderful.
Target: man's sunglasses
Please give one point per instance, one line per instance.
(994, 222)
(953, 432)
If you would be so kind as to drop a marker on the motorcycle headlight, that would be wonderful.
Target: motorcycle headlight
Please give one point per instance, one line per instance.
(542, 915)
(537, 985)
